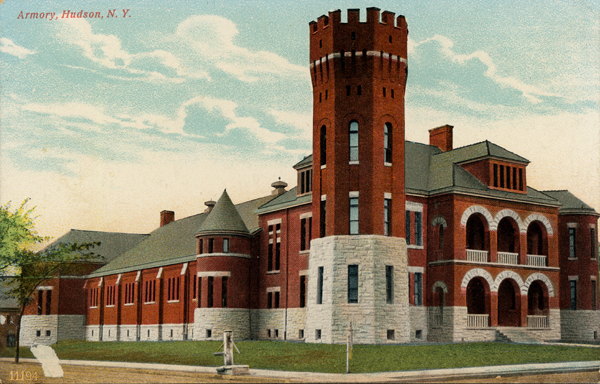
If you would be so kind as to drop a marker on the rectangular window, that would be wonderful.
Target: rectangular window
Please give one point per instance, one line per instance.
(593, 246)
(573, 294)
(495, 175)
(270, 256)
(276, 303)
(389, 284)
(195, 290)
(508, 184)
(199, 292)
(224, 292)
(302, 291)
(521, 179)
(323, 218)
(572, 243)
(200, 246)
(49, 301)
(225, 245)
(418, 229)
(277, 255)
(41, 301)
(502, 176)
(515, 185)
(407, 227)
(303, 234)
(418, 289)
(211, 245)
(387, 217)
(354, 215)
(353, 283)
(353, 141)
(323, 145)
(320, 286)
(594, 294)
(209, 296)
(269, 300)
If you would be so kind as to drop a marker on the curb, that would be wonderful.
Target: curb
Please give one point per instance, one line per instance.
(396, 376)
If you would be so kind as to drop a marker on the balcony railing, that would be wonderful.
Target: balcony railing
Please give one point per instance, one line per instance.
(538, 322)
(478, 321)
(508, 258)
(536, 260)
(477, 256)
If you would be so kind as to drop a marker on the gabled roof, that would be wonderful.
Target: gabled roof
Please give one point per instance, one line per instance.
(304, 162)
(175, 242)
(112, 244)
(287, 200)
(571, 205)
(223, 219)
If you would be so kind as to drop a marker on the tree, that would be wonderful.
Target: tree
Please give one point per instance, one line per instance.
(24, 269)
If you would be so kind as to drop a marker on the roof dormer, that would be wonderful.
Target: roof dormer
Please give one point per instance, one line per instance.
(305, 176)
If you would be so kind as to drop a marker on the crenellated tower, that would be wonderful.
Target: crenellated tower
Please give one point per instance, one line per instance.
(358, 72)
(358, 260)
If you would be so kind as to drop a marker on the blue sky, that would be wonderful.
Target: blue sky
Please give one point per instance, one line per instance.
(106, 122)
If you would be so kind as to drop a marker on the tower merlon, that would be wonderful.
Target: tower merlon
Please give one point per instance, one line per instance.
(374, 16)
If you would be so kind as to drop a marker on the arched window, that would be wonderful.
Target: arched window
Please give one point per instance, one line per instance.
(387, 142)
(323, 145)
(353, 135)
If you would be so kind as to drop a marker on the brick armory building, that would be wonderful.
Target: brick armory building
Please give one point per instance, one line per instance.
(402, 241)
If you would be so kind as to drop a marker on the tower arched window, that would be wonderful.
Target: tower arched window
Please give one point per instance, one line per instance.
(387, 142)
(323, 145)
(353, 135)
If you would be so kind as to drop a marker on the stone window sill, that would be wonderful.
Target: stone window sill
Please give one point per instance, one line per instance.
(273, 272)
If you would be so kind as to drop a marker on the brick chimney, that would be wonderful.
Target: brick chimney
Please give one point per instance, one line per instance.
(166, 217)
(441, 137)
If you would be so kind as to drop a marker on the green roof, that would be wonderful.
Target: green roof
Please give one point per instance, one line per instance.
(223, 218)
(174, 242)
(285, 200)
(571, 205)
(112, 244)
(307, 161)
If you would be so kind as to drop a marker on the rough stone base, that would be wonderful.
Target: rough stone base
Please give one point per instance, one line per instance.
(217, 320)
(59, 327)
(268, 324)
(418, 324)
(296, 324)
(110, 332)
(580, 325)
(173, 332)
(150, 332)
(373, 320)
(128, 333)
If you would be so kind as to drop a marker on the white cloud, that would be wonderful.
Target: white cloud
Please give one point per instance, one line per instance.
(302, 122)
(528, 91)
(106, 51)
(8, 46)
(212, 38)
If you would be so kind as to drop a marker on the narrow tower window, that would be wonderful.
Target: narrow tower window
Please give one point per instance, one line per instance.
(387, 142)
(354, 215)
(387, 217)
(320, 286)
(353, 284)
(323, 145)
(389, 284)
(572, 243)
(353, 134)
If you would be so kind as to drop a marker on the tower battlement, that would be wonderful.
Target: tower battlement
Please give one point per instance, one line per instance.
(373, 16)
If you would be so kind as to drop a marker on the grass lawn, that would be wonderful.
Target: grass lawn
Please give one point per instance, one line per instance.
(321, 357)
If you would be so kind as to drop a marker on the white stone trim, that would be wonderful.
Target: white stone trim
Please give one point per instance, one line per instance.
(477, 272)
(438, 219)
(303, 272)
(416, 269)
(353, 162)
(353, 194)
(273, 289)
(538, 276)
(477, 209)
(542, 219)
(508, 275)
(274, 222)
(576, 278)
(593, 277)
(323, 197)
(305, 215)
(572, 225)
(45, 288)
(160, 272)
(512, 214)
(414, 207)
(184, 268)
(387, 195)
(592, 226)
(138, 276)
(101, 282)
(222, 254)
(440, 284)
(214, 274)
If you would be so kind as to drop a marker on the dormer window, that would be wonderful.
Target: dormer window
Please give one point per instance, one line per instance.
(508, 176)
(305, 181)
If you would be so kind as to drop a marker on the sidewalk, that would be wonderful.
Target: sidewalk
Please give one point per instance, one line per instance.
(398, 376)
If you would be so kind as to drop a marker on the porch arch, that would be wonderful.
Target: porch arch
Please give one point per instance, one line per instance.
(542, 219)
(477, 209)
(508, 275)
(477, 272)
(538, 276)
(508, 213)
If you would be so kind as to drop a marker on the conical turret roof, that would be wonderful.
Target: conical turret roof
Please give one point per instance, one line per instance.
(223, 219)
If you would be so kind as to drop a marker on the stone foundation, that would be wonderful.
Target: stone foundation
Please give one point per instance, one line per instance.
(418, 324)
(580, 325)
(51, 328)
(373, 320)
(268, 324)
(209, 323)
